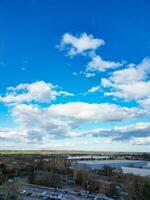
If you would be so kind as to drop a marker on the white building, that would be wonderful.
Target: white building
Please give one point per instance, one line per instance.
(100, 164)
(147, 166)
(89, 157)
(135, 171)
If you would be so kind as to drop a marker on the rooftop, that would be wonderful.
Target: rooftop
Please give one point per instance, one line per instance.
(89, 162)
(136, 171)
(87, 157)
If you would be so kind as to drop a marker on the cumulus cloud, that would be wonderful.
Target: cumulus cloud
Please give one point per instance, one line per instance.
(133, 91)
(72, 113)
(135, 133)
(85, 44)
(33, 117)
(36, 124)
(99, 64)
(39, 91)
(94, 89)
(95, 111)
(79, 45)
(129, 83)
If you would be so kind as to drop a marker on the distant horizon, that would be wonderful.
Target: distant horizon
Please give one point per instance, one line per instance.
(69, 151)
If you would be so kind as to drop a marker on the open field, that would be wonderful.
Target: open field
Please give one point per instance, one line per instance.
(2, 152)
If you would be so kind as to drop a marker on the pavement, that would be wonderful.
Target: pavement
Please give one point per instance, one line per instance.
(34, 192)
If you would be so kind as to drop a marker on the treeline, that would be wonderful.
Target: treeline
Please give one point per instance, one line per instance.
(137, 188)
(49, 173)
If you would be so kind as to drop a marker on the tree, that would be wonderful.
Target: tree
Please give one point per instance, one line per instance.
(82, 178)
(112, 190)
(93, 184)
(31, 176)
(137, 188)
(11, 190)
(49, 179)
(108, 170)
(146, 190)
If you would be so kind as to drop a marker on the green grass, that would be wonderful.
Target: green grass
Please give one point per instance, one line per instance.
(8, 152)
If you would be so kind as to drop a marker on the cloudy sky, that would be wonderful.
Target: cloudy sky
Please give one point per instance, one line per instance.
(75, 74)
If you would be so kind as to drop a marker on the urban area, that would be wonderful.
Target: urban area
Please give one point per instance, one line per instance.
(74, 176)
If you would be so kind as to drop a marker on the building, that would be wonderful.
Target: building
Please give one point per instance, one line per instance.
(100, 164)
(135, 171)
(90, 157)
(147, 166)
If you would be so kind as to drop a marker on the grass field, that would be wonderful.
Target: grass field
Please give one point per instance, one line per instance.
(46, 152)
(2, 152)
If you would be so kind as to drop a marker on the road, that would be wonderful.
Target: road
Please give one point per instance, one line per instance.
(34, 192)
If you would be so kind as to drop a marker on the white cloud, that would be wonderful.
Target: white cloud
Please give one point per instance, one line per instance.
(141, 141)
(95, 111)
(129, 83)
(87, 45)
(94, 89)
(133, 73)
(36, 124)
(133, 91)
(98, 64)
(135, 133)
(39, 91)
(72, 114)
(8, 133)
(89, 75)
(145, 103)
(79, 45)
(106, 83)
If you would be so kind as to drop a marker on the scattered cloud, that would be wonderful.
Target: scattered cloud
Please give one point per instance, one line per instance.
(89, 75)
(94, 89)
(135, 133)
(81, 44)
(36, 120)
(85, 44)
(99, 64)
(40, 92)
(61, 121)
(129, 83)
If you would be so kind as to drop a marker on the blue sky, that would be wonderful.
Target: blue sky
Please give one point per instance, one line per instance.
(75, 74)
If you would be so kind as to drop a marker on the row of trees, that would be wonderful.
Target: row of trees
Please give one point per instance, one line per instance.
(91, 182)
(131, 187)
(49, 179)
(137, 188)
